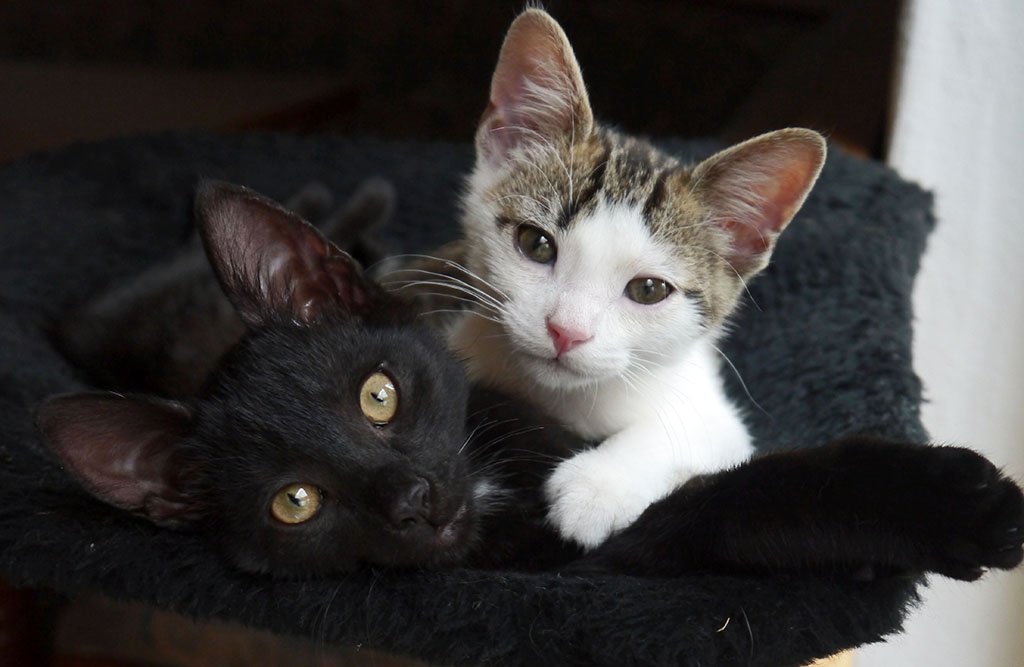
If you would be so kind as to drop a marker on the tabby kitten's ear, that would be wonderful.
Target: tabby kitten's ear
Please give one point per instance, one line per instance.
(272, 264)
(752, 191)
(537, 92)
(122, 449)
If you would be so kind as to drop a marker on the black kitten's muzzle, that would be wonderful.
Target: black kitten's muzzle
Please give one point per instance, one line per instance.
(408, 504)
(421, 521)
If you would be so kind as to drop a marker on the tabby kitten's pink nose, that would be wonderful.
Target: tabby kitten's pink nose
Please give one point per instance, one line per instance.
(565, 338)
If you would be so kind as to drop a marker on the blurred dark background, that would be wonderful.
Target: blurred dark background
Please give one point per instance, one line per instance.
(730, 68)
(73, 70)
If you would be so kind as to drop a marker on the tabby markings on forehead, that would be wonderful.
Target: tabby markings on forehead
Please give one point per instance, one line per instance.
(656, 197)
(585, 198)
(637, 174)
(553, 187)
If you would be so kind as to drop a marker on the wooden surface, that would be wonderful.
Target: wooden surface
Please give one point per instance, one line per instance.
(94, 631)
(844, 659)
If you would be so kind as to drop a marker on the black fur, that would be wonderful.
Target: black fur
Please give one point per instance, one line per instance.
(280, 406)
(825, 353)
(280, 409)
(859, 507)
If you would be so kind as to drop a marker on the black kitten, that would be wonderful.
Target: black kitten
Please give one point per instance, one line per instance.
(330, 434)
(336, 432)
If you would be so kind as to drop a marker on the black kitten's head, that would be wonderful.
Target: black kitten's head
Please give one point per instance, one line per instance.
(329, 436)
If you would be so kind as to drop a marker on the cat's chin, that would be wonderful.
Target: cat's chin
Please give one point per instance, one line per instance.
(453, 540)
(555, 373)
(430, 546)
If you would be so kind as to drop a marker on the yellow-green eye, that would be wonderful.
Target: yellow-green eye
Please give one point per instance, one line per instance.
(536, 244)
(296, 503)
(648, 290)
(378, 398)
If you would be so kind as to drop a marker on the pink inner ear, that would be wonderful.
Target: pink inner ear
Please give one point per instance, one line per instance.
(502, 130)
(272, 264)
(121, 449)
(747, 239)
(536, 92)
(756, 188)
(335, 279)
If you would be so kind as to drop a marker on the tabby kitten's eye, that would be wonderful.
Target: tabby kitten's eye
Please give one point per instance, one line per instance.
(378, 398)
(536, 244)
(297, 503)
(648, 291)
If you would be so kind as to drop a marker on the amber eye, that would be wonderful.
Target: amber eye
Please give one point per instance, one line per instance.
(296, 503)
(378, 398)
(648, 290)
(536, 244)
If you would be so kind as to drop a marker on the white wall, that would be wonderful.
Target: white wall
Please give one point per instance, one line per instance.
(959, 130)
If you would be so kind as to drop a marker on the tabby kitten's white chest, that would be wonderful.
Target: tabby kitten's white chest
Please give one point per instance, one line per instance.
(605, 270)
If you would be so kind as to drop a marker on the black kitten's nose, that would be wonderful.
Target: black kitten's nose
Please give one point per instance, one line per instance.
(410, 504)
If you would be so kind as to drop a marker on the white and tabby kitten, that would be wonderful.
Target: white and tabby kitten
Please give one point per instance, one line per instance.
(609, 270)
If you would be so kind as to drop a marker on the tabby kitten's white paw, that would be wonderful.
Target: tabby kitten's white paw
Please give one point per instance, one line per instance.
(589, 499)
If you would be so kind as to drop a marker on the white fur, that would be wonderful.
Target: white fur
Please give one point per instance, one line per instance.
(645, 385)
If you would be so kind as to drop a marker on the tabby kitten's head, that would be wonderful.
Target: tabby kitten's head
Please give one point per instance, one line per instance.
(605, 251)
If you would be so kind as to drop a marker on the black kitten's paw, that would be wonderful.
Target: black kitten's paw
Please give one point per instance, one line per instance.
(980, 518)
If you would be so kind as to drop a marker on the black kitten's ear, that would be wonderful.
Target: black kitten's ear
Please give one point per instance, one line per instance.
(122, 449)
(754, 189)
(272, 264)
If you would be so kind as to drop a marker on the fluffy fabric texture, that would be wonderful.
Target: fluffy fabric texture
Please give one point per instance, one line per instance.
(822, 344)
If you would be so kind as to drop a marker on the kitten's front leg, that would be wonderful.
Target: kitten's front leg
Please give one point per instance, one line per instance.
(858, 505)
(604, 489)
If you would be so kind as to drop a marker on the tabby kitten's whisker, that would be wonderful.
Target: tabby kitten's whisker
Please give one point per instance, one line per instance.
(444, 295)
(736, 271)
(460, 311)
(739, 377)
(449, 263)
(445, 277)
(473, 296)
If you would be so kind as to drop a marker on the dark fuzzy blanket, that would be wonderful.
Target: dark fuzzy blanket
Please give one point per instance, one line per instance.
(822, 345)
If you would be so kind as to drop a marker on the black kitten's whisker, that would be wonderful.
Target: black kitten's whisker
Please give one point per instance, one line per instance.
(505, 436)
(472, 433)
(492, 406)
(483, 428)
(537, 455)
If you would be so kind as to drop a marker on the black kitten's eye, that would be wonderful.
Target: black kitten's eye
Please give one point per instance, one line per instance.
(296, 503)
(378, 398)
(648, 290)
(536, 244)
